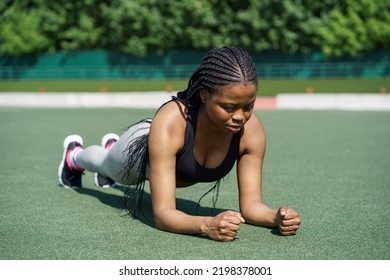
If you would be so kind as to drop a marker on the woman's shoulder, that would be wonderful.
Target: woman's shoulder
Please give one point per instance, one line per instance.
(253, 134)
(254, 126)
(172, 112)
(167, 132)
(170, 119)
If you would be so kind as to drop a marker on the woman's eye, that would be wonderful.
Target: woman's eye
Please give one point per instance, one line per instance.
(248, 108)
(229, 109)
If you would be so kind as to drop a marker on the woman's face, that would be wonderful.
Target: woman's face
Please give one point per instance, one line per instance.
(232, 107)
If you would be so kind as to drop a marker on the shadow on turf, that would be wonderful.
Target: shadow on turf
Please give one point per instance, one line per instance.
(146, 215)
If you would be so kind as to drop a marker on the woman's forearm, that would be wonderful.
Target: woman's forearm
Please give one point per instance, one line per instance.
(257, 213)
(177, 221)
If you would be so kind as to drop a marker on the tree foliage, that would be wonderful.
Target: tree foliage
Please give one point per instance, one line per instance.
(145, 27)
(355, 26)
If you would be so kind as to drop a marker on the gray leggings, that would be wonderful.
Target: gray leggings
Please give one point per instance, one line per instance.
(112, 162)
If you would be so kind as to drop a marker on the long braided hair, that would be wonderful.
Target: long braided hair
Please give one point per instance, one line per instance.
(220, 67)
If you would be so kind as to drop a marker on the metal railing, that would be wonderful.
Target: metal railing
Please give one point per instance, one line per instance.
(265, 70)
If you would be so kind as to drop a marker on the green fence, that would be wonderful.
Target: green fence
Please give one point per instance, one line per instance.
(180, 64)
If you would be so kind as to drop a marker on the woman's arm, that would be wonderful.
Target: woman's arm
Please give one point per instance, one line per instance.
(165, 141)
(249, 173)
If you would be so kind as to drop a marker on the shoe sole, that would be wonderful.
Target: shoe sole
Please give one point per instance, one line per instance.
(105, 139)
(67, 141)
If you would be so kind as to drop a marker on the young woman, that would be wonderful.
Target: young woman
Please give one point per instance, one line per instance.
(196, 137)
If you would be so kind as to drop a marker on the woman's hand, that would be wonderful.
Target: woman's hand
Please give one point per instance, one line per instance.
(288, 221)
(224, 226)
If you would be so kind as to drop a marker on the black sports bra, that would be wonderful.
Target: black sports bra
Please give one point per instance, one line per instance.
(189, 170)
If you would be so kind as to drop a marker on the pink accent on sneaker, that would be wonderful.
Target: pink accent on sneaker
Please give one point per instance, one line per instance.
(69, 160)
(110, 144)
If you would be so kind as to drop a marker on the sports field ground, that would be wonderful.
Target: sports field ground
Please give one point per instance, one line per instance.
(333, 167)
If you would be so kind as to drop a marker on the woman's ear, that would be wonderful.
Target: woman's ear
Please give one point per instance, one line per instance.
(203, 95)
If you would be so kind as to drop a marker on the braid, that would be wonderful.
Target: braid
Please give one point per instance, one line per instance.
(220, 67)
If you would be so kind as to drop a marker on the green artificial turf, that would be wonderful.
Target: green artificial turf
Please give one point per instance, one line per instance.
(331, 166)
